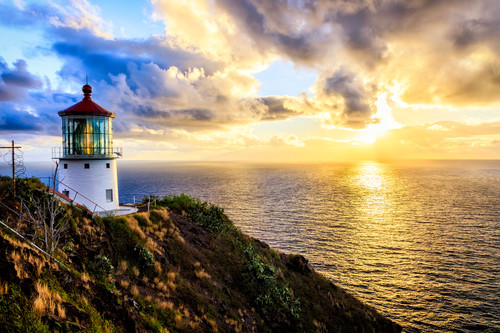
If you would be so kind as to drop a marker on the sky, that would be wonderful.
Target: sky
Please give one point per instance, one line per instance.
(258, 80)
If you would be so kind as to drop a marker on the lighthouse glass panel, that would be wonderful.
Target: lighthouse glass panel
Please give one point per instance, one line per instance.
(87, 136)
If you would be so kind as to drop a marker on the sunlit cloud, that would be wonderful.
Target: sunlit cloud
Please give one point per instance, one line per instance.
(394, 78)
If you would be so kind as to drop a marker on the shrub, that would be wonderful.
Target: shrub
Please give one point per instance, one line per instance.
(100, 267)
(178, 202)
(267, 292)
(123, 240)
(206, 215)
(144, 256)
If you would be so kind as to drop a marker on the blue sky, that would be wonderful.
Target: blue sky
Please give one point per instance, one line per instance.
(291, 81)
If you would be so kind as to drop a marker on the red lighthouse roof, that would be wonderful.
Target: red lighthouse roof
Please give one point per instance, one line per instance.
(86, 107)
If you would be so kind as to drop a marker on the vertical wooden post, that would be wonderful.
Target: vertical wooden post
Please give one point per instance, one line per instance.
(13, 147)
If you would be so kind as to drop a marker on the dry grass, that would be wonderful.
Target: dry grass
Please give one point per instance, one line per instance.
(178, 320)
(84, 277)
(16, 257)
(61, 311)
(171, 285)
(48, 301)
(18, 265)
(151, 245)
(160, 285)
(122, 266)
(234, 323)
(36, 262)
(161, 214)
(124, 284)
(158, 269)
(179, 238)
(145, 217)
(134, 227)
(86, 221)
(212, 323)
(165, 304)
(87, 229)
(4, 288)
(201, 274)
(160, 234)
(171, 276)
(134, 290)
(16, 243)
(148, 298)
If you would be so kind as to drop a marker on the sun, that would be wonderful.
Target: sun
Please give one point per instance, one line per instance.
(370, 133)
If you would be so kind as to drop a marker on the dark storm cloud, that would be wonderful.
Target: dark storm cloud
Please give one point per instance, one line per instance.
(264, 29)
(15, 118)
(85, 53)
(357, 110)
(15, 82)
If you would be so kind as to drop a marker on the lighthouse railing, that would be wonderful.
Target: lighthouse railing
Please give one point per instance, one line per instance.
(71, 201)
(87, 152)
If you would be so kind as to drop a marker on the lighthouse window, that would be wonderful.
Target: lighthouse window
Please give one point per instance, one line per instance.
(107, 165)
(109, 195)
(65, 192)
(87, 136)
(65, 165)
(86, 166)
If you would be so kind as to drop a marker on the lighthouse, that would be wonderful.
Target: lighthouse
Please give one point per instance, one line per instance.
(87, 162)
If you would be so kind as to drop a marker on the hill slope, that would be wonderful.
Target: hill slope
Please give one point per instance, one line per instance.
(183, 267)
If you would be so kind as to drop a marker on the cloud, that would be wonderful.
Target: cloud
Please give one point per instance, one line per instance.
(198, 78)
(16, 82)
(350, 96)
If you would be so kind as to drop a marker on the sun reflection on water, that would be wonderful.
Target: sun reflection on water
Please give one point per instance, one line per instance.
(369, 175)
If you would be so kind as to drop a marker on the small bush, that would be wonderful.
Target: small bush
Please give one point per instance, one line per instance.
(144, 257)
(100, 267)
(268, 293)
(206, 215)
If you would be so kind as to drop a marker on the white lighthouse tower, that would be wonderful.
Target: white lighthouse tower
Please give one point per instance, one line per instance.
(87, 163)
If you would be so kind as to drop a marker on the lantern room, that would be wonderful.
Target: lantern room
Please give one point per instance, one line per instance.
(87, 129)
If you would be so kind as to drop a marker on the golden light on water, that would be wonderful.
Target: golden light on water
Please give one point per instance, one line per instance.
(369, 175)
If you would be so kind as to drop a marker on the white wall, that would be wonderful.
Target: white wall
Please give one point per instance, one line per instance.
(91, 183)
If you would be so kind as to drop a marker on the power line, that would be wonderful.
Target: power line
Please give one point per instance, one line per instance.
(13, 148)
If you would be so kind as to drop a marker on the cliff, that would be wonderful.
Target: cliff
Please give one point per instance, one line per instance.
(183, 267)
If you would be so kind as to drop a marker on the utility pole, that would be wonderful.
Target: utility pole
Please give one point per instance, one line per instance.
(13, 147)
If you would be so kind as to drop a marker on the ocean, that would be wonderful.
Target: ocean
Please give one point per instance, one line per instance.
(419, 241)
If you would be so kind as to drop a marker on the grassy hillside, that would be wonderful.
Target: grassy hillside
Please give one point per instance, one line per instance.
(183, 267)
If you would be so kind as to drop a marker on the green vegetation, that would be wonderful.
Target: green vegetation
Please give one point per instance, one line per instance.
(204, 214)
(267, 292)
(17, 314)
(183, 267)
